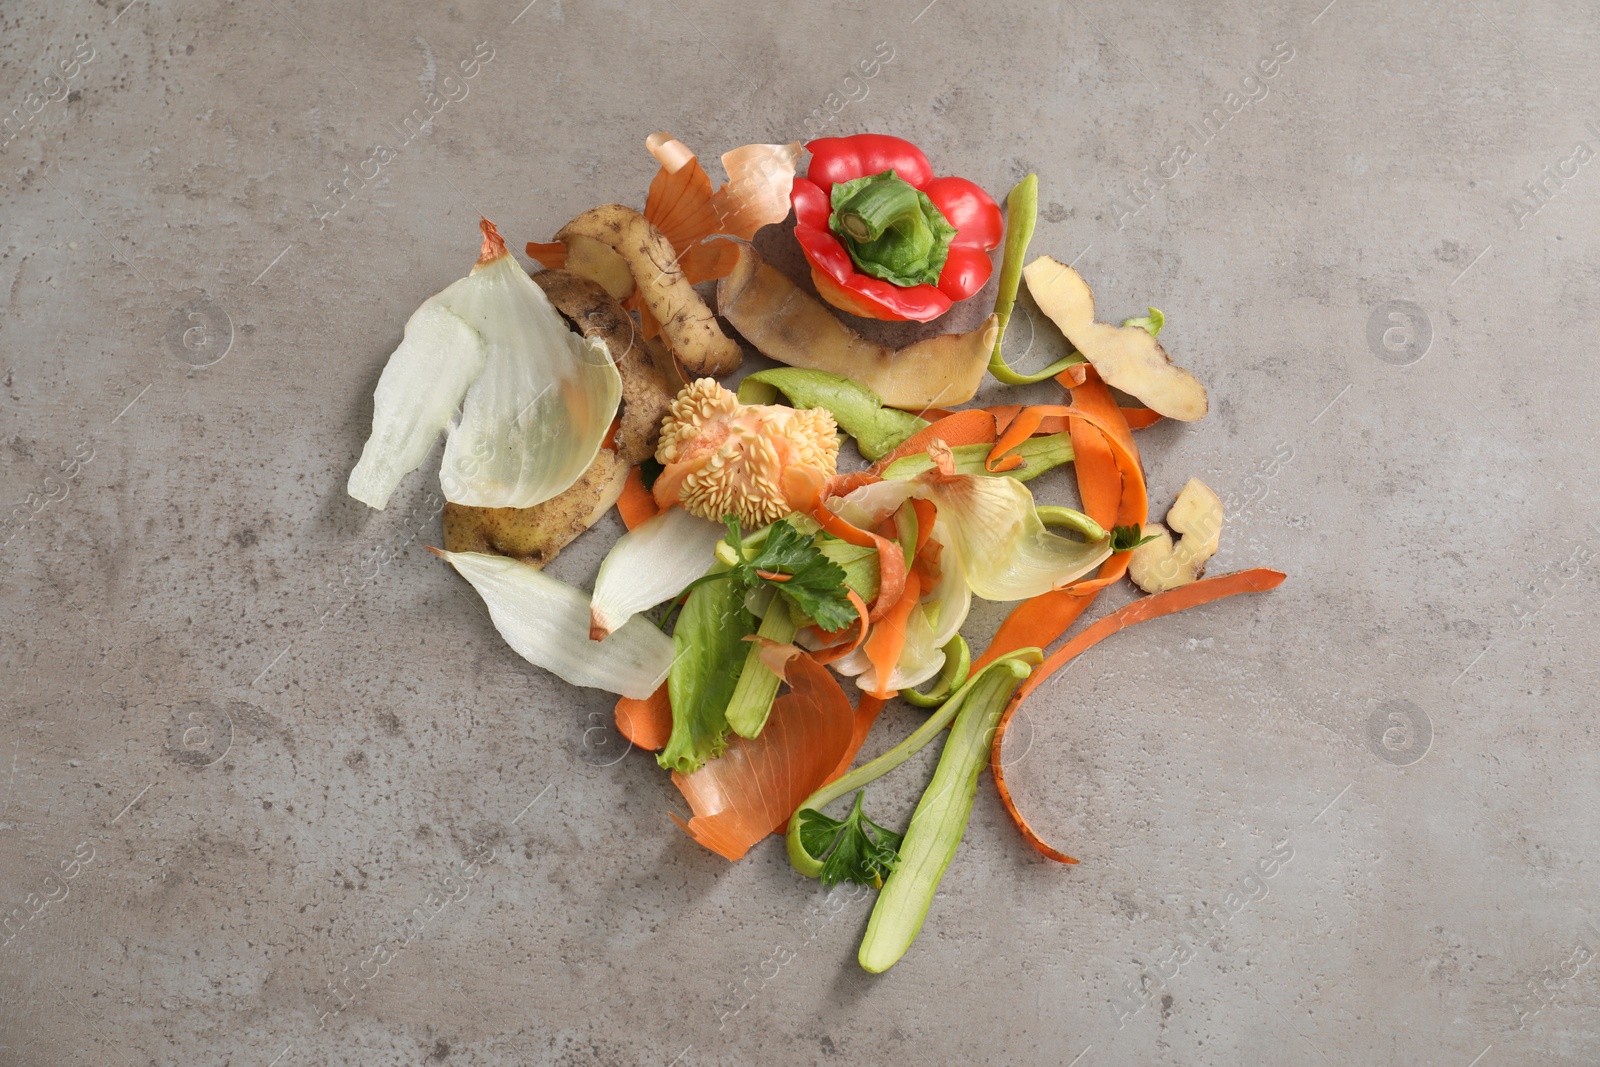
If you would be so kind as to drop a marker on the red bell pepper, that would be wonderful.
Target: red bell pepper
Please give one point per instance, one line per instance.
(972, 213)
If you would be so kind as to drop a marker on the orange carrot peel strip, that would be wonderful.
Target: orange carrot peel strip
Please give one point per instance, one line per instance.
(891, 560)
(1139, 418)
(969, 427)
(646, 723)
(1204, 591)
(1026, 424)
(636, 505)
(888, 637)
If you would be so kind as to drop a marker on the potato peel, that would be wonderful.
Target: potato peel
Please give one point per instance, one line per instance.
(688, 324)
(1159, 565)
(1127, 357)
(789, 325)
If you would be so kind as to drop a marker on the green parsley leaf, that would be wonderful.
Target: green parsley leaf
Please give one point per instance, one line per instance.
(649, 471)
(813, 583)
(854, 850)
(1126, 538)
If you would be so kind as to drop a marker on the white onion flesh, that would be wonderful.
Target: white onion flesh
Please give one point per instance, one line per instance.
(651, 564)
(546, 622)
(420, 389)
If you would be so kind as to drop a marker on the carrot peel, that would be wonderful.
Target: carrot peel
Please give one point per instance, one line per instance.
(646, 723)
(888, 637)
(1204, 591)
(636, 505)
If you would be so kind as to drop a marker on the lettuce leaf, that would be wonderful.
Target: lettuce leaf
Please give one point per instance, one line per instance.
(709, 650)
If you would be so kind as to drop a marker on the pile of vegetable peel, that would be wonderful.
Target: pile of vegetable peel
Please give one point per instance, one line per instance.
(758, 583)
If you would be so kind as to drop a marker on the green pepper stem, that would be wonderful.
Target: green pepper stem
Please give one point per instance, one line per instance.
(879, 205)
(891, 229)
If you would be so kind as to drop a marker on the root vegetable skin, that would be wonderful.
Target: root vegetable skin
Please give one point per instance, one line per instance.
(1159, 565)
(536, 535)
(1127, 357)
(596, 261)
(790, 326)
(690, 327)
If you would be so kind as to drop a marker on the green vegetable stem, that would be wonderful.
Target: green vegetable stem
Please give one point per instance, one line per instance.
(891, 229)
(1039, 454)
(953, 675)
(1022, 211)
(807, 862)
(758, 686)
(940, 819)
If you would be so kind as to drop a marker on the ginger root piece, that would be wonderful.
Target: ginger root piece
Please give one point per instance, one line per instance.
(789, 325)
(1159, 565)
(535, 535)
(688, 324)
(1127, 357)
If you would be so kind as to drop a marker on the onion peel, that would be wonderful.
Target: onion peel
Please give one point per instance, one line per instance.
(754, 787)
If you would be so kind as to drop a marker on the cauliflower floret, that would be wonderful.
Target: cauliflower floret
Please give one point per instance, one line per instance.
(758, 462)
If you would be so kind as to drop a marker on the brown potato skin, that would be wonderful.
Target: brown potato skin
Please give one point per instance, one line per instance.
(535, 535)
(688, 324)
(648, 386)
(789, 325)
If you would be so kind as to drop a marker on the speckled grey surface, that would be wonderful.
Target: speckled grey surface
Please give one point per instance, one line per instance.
(247, 726)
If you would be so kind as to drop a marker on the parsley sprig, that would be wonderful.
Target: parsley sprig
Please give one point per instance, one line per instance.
(853, 850)
(1127, 538)
(793, 565)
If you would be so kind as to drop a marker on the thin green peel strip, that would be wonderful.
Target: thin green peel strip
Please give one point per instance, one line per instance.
(1022, 212)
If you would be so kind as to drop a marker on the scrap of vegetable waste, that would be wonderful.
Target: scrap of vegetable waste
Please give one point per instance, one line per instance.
(789, 325)
(1128, 357)
(756, 462)
(546, 622)
(774, 574)
(537, 399)
(884, 237)
(682, 207)
(535, 535)
(1160, 565)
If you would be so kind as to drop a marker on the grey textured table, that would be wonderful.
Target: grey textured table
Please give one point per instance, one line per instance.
(248, 727)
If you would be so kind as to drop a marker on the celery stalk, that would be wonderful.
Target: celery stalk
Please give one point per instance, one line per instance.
(757, 687)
